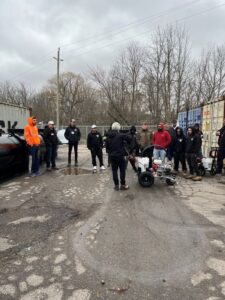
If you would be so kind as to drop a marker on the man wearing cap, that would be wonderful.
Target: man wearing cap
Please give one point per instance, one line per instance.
(95, 145)
(51, 142)
(73, 135)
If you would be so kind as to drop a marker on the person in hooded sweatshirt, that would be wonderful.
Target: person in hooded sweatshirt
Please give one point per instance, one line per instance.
(193, 147)
(179, 144)
(221, 151)
(161, 140)
(172, 132)
(116, 143)
(33, 142)
(95, 145)
(198, 131)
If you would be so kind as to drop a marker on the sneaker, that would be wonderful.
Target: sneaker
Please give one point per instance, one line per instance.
(49, 169)
(102, 168)
(124, 187)
(94, 169)
(116, 188)
(197, 178)
(55, 168)
(76, 164)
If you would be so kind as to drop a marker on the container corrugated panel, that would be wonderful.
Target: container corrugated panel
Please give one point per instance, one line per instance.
(212, 120)
(193, 115)
(10, 113)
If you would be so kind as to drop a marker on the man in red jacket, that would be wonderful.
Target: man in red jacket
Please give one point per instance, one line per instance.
(161, 140)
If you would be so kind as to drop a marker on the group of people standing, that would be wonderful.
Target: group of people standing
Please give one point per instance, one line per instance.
(172, 143)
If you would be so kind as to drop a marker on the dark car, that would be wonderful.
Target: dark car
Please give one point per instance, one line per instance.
(14, 159)
(13, 155)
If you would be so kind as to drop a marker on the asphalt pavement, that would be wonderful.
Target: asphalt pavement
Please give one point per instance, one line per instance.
(67, 234)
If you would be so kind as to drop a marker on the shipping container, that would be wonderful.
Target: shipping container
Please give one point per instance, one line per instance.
(190, 117)
(10, 113)
(213, 115)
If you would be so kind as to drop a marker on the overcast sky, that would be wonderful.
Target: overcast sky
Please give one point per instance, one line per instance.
(93, 32)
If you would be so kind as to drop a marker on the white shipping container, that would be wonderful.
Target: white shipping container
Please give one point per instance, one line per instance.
(212, 120)
(10, 113)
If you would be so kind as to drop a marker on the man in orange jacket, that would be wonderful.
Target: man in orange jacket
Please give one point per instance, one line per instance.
(33, 142)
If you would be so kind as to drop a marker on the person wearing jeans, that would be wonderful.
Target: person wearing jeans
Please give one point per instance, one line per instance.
(33, 142)
(161, 140)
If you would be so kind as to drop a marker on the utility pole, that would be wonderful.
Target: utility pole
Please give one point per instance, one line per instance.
(57, 95)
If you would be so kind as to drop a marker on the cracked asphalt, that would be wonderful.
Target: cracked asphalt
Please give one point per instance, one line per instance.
(73, 237)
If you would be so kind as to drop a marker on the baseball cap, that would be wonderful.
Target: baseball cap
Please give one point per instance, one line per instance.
(93, 126)
(51, 123)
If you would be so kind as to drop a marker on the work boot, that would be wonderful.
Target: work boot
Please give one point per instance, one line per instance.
(197, 178)
(124, 187)
(116, 188)
(190, 176)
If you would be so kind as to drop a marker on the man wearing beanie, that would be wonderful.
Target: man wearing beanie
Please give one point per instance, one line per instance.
(115, 145)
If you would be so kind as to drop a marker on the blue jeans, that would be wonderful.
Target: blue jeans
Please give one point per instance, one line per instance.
(159, 154)
(33, 151)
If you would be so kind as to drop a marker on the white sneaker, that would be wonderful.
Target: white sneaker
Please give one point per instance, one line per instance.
(94, 169)
(102, 168)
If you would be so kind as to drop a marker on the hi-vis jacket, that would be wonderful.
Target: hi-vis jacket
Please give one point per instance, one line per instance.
(31, 134)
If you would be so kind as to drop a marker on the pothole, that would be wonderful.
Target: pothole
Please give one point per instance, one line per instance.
(3, 210)
(76, 171)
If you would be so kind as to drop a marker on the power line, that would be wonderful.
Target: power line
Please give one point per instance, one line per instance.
(128, 39)
(137, 23)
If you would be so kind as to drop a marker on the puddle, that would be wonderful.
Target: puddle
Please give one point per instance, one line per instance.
(76, 171)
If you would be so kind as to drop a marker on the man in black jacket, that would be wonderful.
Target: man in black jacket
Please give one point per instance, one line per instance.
(72, 134)
(95, 145)
(116, 147)
(179, 144)
(193, 147)
(51, 142)
(221, 151)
